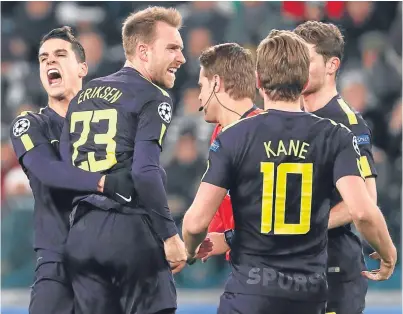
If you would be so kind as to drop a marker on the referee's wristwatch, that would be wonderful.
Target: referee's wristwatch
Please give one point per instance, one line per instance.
(228, 236)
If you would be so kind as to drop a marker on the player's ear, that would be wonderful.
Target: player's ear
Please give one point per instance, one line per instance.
(332, 65)
(142, 50)
(305, 85)
(258, 83)
(83, 69)
(216, 83)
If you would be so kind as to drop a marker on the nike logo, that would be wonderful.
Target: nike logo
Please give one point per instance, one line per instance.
(125, 198)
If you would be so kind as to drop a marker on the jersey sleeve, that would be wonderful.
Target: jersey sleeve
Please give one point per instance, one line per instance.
(65, 146)
(219, 164)
(347, 156)
(26, 133)
(154, 120)
(364, 140)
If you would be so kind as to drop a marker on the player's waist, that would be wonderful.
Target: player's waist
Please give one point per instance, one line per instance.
(102, 202)
(293, 263)
(336, 232)
(345, 258)
(277, 282)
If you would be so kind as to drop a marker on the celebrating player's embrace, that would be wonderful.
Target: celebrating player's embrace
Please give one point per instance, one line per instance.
(104, 235)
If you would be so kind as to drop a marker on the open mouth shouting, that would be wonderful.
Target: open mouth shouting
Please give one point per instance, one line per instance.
(54, 77)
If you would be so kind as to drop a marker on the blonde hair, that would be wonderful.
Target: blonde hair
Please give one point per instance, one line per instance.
(140, 26)
(283, 65)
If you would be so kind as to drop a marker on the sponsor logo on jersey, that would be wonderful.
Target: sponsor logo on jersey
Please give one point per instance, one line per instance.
(363, 139)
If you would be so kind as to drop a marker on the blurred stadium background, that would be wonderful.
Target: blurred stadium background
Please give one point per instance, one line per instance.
(370, 81)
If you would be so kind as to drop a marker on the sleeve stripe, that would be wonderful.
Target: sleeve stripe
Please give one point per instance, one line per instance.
(352, 118)
(163, 129)
(366, 169)
(208, 166)
(27, 142)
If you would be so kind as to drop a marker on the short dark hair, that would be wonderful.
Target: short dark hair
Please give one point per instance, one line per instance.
(66, 33)
(326, 37)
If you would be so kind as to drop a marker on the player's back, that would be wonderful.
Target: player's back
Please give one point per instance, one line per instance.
(104, 121)
(285, 171)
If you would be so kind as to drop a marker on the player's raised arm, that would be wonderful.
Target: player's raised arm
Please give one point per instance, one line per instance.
(365, 214)
(35, 152)
(212, 190)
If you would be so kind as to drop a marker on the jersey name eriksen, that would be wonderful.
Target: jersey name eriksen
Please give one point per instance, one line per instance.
(110, 94)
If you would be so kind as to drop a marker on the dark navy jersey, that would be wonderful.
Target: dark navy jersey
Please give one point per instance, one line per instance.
(108, 117)
(280, 169)
(346, 260)
(52, 206)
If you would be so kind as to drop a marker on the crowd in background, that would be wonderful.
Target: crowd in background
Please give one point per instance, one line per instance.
(370, 81)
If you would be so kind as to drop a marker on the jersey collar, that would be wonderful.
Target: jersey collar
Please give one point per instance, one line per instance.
(248, 112)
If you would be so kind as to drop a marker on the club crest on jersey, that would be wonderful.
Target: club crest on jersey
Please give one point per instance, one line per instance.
(165, 112)
(355, 145)
(21, 126)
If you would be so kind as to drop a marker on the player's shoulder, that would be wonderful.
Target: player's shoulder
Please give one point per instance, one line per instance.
(330, 129)
(344, 113)
(27, 121)
(244, 124)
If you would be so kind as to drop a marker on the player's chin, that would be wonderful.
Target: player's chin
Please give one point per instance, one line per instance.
(169, 82)
(56, 92)
(209, 119)
(310, 89)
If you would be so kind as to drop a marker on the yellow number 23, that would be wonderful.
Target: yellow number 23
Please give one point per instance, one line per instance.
(280, 226)
(88, 117)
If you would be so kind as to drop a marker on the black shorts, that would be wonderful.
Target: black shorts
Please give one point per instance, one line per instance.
(51, 292)
(117, 265)
(347, 297)
(258, 304)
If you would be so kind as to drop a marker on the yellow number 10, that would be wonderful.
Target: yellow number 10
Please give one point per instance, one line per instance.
(280, 226)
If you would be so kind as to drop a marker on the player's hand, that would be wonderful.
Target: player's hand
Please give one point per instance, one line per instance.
(202, 251)
(385, 270)
(204, 248)
(175, 253)
(219, 245)
(119, 186)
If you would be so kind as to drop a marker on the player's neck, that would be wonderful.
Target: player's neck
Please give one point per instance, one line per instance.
(139, 68)
(292, 106)
(316, 101)
(227, 117)
(60, 106)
